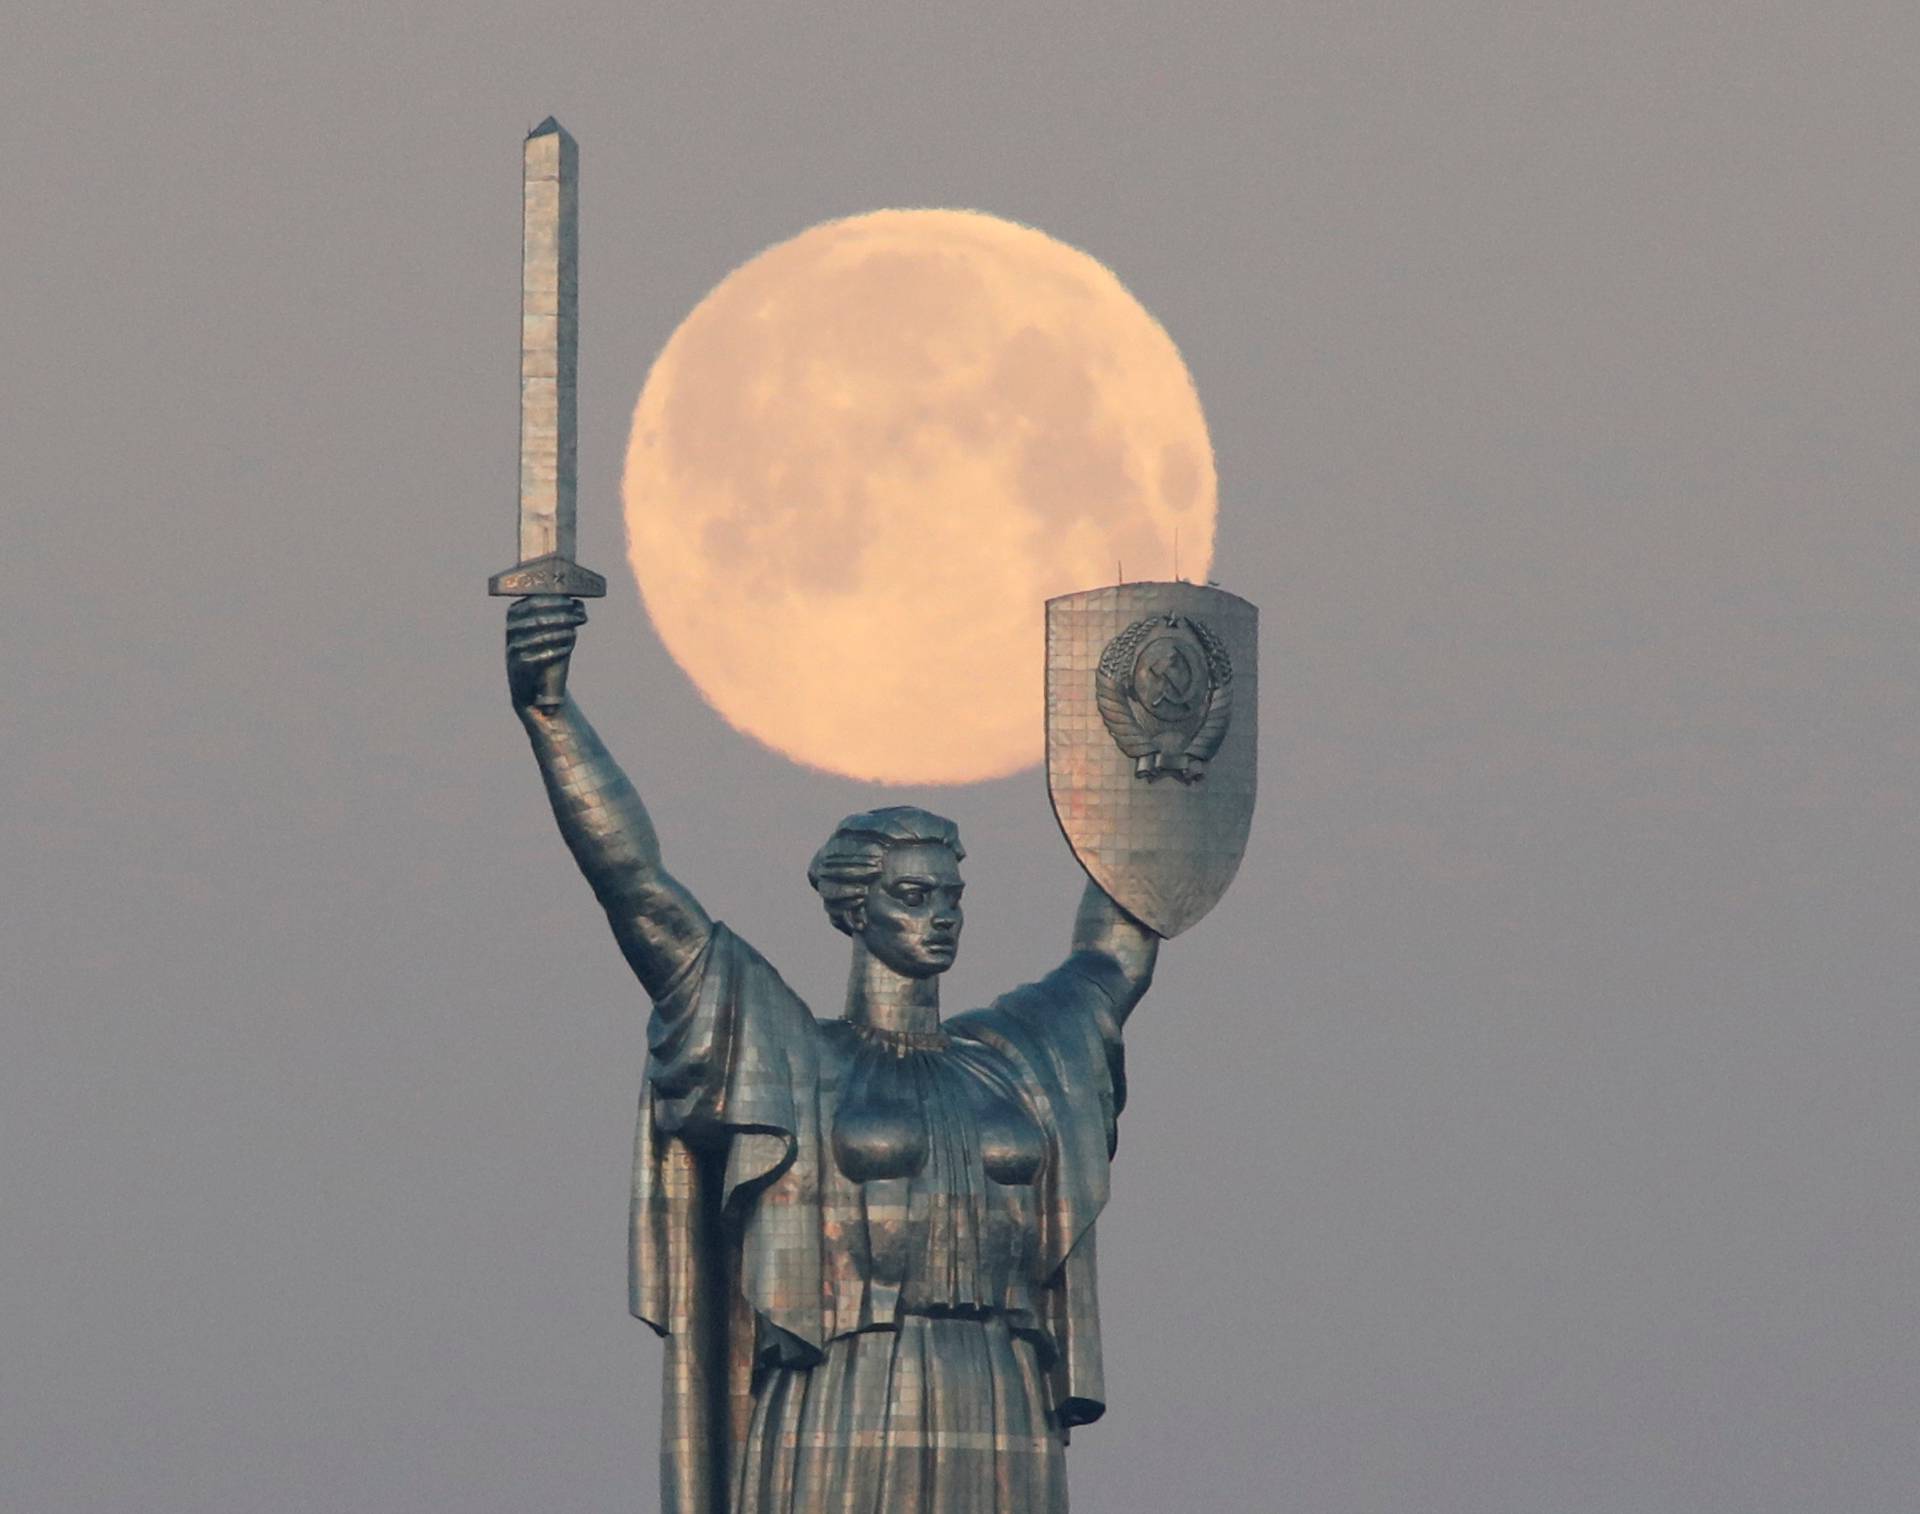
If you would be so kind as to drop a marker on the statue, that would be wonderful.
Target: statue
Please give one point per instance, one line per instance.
(868, 1240)
(861, 1237)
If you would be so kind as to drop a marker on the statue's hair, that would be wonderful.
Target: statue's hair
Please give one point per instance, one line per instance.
(844, 868)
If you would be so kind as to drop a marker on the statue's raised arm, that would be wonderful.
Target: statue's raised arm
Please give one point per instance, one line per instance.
(1128, 947)
(660, 926)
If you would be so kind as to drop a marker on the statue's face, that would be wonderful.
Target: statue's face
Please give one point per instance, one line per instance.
(913, 909)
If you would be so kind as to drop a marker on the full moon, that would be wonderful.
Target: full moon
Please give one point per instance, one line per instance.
(864, 462)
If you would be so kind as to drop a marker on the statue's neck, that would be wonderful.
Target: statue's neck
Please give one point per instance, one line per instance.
(881, 999)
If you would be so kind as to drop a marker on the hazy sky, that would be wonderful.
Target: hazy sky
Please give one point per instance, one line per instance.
(1531, 1131)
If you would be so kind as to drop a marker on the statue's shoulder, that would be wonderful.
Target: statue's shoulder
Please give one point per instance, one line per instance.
(1086, 980)
(1013, 1019)
(1060, 1029)
(734, 967)
(837, 1033)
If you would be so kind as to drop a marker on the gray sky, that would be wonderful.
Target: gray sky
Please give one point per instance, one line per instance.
(1533, 1128)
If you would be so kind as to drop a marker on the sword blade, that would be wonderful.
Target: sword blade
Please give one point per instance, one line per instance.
(549, 341)
(549, 354)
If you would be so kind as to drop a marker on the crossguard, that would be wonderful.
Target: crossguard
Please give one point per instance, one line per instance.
(552, 574)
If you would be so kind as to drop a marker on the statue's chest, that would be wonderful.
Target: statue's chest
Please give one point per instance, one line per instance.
(941, 1115)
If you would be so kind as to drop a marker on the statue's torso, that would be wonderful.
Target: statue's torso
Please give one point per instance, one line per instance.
(900, 1292)
(929, 1194)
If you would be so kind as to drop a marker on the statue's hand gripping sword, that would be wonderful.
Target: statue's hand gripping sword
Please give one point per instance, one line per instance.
(549, 360)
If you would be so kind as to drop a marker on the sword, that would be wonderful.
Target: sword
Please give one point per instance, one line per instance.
(549, 362)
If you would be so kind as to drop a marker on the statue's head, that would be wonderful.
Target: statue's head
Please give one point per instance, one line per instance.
(891, 879)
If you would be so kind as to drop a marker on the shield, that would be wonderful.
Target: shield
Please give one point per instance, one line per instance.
(1150, 741)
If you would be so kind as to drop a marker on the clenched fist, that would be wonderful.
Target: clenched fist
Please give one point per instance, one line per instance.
(541, 630)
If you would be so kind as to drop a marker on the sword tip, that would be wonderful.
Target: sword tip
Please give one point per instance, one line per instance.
(546, 128)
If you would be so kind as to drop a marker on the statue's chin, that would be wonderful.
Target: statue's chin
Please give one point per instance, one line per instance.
(915, 961)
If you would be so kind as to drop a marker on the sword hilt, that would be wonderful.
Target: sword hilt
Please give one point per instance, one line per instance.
(552, 691)
(552, 574)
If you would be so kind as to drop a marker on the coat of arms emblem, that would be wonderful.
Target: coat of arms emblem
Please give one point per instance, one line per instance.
(1165, 689)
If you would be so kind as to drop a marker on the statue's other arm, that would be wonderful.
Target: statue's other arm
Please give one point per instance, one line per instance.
(1130, 949)
(661, 928)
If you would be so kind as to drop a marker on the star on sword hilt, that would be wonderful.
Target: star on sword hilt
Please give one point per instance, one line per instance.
(549, 364)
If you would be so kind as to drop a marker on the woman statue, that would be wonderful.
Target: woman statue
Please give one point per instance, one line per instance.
(867, 1241)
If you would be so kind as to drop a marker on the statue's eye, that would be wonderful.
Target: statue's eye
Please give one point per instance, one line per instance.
(912, 896)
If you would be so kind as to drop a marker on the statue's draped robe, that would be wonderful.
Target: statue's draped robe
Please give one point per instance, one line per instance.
(919, 1343)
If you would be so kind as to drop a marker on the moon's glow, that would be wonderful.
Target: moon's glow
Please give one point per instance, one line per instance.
(863, 463)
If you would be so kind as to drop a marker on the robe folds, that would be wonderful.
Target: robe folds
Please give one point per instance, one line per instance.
(754, 1253)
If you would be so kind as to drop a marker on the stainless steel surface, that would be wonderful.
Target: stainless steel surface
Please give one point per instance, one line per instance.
(548, 575)
(1151, 692)
(549, 361)
(549, 340)
(868, 1241)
